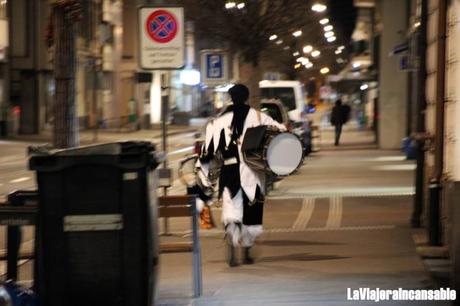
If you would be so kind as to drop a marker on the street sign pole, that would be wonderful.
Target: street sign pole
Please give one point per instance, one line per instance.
(164, 127)
(162, 47)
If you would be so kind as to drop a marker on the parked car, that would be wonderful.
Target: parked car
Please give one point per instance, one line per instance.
(290, 93)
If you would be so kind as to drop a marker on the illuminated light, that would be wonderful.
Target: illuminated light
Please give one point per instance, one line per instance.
(316, 53)
(295, 54)
(309, 65)
(297, 66)
(341, 47)
(273, 37)
(417, 24)
(338, 51)
(364, 87)
(307, 49)
(190, 77)
(329, 34)
(303, 60)
(328, 28)
(230, 5)
(324, 70)
(241, 5)
(318, 7)
(297, 33)
(279, 42)
(287, 48)
(324, 21)
(331, 39)
(356, 64)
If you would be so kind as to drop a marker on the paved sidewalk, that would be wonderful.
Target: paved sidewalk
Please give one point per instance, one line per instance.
(341, 222)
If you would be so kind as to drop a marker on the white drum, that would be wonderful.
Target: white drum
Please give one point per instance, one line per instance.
(266, 149)
(284, 154)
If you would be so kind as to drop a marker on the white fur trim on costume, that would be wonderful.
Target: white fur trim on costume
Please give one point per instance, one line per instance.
(232, 208)
(249, 234)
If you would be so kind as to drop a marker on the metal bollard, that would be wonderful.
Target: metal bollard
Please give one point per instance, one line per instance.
(434, 222)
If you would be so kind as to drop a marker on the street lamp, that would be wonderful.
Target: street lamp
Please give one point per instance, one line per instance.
(331, 39)
(324, 21)
(316, 53)
(241, 5)
(364, 87)
(297, 33)
(329, 34)
(230, 5)
(324, 70)
(328, 28)
(318, 7)
(307, 49)
(273, 37)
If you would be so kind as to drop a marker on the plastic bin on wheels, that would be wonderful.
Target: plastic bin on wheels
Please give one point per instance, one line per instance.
(96, 227)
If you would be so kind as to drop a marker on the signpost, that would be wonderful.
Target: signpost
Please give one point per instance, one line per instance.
(161, 38)
(162, 47)
(214, 67)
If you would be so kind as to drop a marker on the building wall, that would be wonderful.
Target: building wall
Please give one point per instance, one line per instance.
(451, 211)
(29, 61)
(393, 83)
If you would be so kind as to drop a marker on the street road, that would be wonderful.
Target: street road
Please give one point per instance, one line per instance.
(14, 173)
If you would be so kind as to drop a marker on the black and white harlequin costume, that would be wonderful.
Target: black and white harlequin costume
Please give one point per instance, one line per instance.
(242, 189)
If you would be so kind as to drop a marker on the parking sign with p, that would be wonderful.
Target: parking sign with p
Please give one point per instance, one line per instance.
(214, 67)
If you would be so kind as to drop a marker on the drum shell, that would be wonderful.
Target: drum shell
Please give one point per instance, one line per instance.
(257, 159)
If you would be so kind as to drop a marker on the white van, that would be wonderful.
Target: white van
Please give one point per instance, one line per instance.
(291, 94)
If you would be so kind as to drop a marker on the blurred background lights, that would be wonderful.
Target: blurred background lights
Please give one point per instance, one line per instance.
(324, 70)
(318, 7)
(307, 49)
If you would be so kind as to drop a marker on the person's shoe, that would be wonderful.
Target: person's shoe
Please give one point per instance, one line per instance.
(247, 259)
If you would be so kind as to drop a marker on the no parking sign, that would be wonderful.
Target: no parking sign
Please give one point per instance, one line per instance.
(161, 33)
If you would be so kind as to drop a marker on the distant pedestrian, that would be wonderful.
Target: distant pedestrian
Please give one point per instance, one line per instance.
(340, 115)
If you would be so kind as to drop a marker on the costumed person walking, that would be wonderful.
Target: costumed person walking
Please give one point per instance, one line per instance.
(339, 116)
(242, 189)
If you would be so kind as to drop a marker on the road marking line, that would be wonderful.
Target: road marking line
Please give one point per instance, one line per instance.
(339, 215)
(21, 179)
(335, 212)
(393, 192)
(212, 232)
(331, 215)
(187, 149)
(305, 213)
(309, 212)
